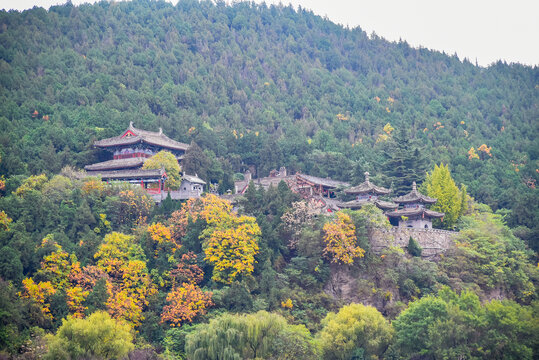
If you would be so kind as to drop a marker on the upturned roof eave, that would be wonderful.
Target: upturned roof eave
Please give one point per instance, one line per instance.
(415, 212)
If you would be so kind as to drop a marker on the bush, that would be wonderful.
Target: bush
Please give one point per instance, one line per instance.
(413, 247)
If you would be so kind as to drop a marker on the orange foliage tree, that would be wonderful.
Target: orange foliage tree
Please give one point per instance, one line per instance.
(186, 302)
(484, 150)
(187, 270)
(340, 239)
(472, 154)
(61, 269)
(134, 205)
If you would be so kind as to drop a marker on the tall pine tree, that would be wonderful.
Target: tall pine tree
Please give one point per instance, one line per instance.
(405, 163)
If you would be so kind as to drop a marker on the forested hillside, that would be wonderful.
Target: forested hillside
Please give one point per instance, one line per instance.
(92, 270)
(263, 86)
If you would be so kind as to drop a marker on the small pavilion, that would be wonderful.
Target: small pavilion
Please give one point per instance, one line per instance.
(413, 212)
(368, 193)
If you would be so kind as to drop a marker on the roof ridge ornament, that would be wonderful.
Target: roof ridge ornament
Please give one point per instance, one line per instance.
(366, 176)
(160, 131)
(414, 186)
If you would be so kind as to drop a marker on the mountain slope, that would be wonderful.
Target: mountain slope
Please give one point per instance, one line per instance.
(261, 86)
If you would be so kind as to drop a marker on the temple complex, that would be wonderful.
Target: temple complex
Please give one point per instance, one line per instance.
(368, 193)
(413, 213)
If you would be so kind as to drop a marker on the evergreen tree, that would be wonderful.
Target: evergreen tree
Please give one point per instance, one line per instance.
(405, 163)
(195, 162)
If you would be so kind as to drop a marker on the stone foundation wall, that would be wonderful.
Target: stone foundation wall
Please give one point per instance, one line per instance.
(432, 241)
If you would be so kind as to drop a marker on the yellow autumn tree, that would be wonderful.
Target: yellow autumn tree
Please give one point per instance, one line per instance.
(340, 240)
(4, 221)
(388, 129)
(162, 239)
(230, 242)
(40, 293)
(231, 247)
(61, 270)
(165, 159)
(451, 200)
(56, 267)
(210, 208)
(130, 285)
(34, 182)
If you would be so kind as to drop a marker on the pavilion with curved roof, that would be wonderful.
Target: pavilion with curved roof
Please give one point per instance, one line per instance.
(413, 213)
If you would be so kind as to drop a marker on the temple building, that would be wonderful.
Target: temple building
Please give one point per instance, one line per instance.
(309, 185)
(368, 193)
(133, 147)
(413, 213)
(274, 178)
(191, 187)
(130, 150)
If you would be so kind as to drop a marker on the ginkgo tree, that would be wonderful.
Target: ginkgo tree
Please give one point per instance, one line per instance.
(451, 200)
(166, 160)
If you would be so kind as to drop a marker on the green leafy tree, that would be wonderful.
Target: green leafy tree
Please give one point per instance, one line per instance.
(96, 337)
(440, 185)
(489, 257)
(355, 329)
(167, 160)
(415, 326)
(510, 330)
(453, 326)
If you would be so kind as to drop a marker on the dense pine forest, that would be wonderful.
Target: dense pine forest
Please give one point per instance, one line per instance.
(91, 270)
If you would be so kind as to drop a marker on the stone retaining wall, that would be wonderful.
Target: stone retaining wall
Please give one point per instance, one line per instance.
(432, 241)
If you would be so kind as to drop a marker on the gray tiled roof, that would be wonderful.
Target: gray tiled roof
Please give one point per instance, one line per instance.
(356, 204)
(414, 196)
(323, 181)
(367, 187)
(193, 179)
(415, 212)
(128, 174)
(142, 136)
(116, 164)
